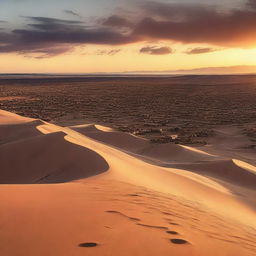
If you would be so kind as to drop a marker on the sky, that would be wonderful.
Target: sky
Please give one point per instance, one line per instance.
(87, 36)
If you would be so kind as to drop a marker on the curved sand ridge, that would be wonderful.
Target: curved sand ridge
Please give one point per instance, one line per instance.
(141, 147)
(226, 170)
(27, 156)
(128, 168)
(175, 156)
(130, 197)
(11, 118)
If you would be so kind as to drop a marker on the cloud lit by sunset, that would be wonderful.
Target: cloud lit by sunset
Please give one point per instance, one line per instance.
(83, 36)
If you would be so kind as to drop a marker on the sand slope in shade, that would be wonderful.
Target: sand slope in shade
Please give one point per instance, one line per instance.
(226, 170)
(142, 147)
(115, 194)
(27, 156)
(19, 131)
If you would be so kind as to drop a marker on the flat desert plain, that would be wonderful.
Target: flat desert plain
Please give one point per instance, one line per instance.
(71, 187)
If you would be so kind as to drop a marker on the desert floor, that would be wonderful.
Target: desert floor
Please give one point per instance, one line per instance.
(183, 109)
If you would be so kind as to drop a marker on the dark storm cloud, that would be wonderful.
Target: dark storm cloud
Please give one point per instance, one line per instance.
(198, 24)
(117, 21)
(177, 11)
(52, 36)
(6, 38)
(154, 50)
(71, 36)
(52, 20)
(45, 23)
(251, 3)
(200, 50)
(185, 23)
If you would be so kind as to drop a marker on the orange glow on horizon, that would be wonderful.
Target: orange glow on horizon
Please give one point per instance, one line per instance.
(88, 60)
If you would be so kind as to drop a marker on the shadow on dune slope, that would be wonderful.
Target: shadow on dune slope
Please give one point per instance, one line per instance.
(20, 131)
(142, 148)
(225, 170)
(47, 159)
(173, 156)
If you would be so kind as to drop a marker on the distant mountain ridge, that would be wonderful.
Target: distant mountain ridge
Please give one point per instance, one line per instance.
(246, 69)
(230, 70)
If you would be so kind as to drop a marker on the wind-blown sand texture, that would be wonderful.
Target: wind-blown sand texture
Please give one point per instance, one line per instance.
(90, 190)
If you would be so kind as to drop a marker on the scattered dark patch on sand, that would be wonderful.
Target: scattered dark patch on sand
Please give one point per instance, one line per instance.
(121, 214)
(151, 226)
(179, 241)
(172, 232)
(88, 244)
(134, 195)
(174, 224)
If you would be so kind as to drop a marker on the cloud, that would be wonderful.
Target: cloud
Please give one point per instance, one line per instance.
(70, 12)
(55, 36)
(45, 23)
(154, 21)
(199, 50)
(108, 52)
(201, 24)
(154, 50)
(251, 3)
(177, 11)
(46, 53)
(52, 20)
(117, 21)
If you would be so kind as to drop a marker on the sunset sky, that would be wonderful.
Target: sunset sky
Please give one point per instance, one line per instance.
(116, 35)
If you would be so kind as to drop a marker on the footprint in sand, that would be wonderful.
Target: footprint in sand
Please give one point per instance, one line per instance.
(121, 214)
(134, 195)
(151, 226)
(88, 244)
(167, 213)
(179, 241)
(172, 232)
(174, 224)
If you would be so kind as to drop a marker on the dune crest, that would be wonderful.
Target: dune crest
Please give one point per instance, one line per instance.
(28, 157)
(12, 118)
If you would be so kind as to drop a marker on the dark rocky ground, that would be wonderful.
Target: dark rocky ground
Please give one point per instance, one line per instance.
(164, 109)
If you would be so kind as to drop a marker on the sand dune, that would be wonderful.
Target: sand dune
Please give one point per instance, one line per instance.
(11, 118)
(120, 140)
(118, 194)
(142, 147)
(19, 131)
(27, 156)
(225, 170)
(232, 142)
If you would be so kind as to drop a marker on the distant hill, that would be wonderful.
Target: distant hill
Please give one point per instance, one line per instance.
(220, 70)
(207, 71)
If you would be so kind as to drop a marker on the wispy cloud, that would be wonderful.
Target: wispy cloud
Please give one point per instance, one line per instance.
(155, 50)
(117, 21)
(108, 52)
(72, 13)
(199, 50)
